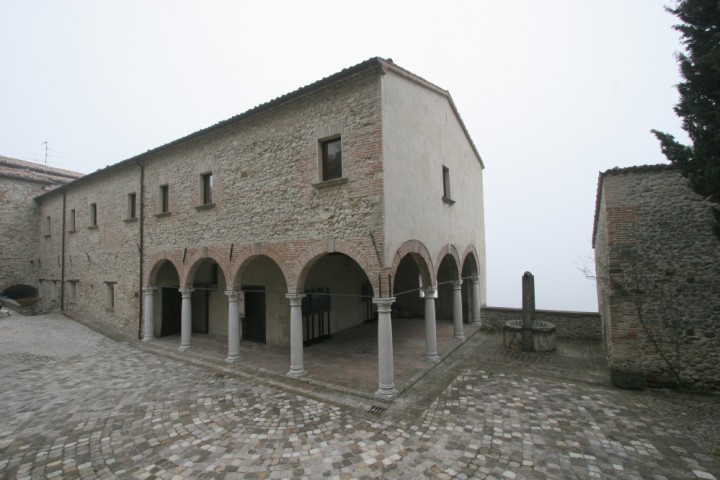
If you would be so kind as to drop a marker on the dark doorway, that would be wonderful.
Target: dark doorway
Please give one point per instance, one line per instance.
(200, 310)
(253, 325)
(171, 306)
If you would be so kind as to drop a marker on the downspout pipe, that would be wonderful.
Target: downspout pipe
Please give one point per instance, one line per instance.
(141, 248)
(62, 256)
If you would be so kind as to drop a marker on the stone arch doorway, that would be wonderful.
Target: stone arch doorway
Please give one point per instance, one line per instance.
(266, 317)
(208, 302)
(167, 309)
(471, 289)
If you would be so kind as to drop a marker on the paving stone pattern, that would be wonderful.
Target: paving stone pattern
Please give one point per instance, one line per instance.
(119, 411)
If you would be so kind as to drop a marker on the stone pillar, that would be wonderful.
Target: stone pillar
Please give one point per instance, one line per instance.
(297, 367)
(149, 313)
(476, 301)
(528, 311)
(186, 319)
(386, 370)
(431, 354)
(233, 327)
(457, 310)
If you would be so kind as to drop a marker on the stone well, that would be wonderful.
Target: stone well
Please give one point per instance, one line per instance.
(543, 336)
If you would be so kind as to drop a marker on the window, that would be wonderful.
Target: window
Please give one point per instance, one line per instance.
(93, 214)
(131, 208)
(47, 226)
(71, 221)
(164, 198)
(206, 185)
(72, 291)
(109, 295)
(331, 159)
(446, 186)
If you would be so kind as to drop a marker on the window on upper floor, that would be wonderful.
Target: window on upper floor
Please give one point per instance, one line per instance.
(447, 198)
(330, 159)
(47, 226)
(109, 296)
(93, 214)
(71, 221)
(206, 188)
(164, 202)
(131, 206)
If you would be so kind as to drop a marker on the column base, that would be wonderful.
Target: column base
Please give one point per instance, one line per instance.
(386, 392)
(477, 322)
(148, 339)
(460, 337)
(233, 359)
(296, 372)
(432, 358)
(184, 348)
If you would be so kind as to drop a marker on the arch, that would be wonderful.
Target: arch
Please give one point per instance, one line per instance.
(420, 255)
(196, 257)
(311, 255)
(20, 291)
(156, 261)
(451, 251)
(470, 255)
(249, 253)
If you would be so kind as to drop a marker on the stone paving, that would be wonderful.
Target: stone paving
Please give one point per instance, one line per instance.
(81, 405)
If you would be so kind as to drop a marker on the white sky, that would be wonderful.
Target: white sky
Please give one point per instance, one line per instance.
(552, 92)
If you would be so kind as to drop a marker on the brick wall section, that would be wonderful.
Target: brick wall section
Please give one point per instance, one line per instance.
(568, 325)
(18, 224)
(657, 258)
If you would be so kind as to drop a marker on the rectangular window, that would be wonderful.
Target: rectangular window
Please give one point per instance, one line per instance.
(207, 188)
(71, 221)
(446, 183)
(164, 198)
(331, 159)
(72, 291)
(93, 214)
(109, 295)
(47, 226)
(131, 208)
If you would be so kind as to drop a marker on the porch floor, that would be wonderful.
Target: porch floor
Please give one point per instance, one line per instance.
(348, 361)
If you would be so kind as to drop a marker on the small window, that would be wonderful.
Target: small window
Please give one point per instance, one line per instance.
(109, 295)
(72, 291)
(206, 185)
(331, 159)
(71, 221)
(447, 198)
(47, 226)
(164, 198)
(131, 205)
(93, 214)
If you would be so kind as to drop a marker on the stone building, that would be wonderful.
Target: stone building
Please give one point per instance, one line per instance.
(658, 272)
(20, 182)
(318, 204)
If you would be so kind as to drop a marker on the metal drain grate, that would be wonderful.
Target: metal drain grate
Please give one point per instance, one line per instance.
(375, 410)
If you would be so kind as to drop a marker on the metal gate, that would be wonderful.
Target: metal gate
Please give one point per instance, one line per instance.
(200, 306)
(253, 324)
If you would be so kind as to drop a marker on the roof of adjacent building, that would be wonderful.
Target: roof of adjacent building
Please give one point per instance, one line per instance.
(621, 171)
(35, 172)
(375, 62)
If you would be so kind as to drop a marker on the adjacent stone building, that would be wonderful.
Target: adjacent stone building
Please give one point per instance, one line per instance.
(658, 277)
(20, 182)
(316, 205)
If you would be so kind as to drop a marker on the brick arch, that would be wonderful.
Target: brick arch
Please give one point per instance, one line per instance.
(422, 259)
(195, 257)
(312, 254)
(471, 250)
(450, 250)
(248, 253)
(156, 260)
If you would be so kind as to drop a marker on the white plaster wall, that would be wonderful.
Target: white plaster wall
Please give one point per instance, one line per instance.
(421, 134)
(262, 271)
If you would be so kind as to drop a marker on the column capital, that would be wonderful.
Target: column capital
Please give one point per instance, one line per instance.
(149, 290)
(295, 299)
(384, 304)
(476, 279)
(186, 292)
(457, 284)
(429, 292)
(232, 295)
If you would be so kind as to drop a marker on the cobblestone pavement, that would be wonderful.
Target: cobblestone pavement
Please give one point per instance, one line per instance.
(82, 405)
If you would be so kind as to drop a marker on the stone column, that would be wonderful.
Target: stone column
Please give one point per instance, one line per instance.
(476, 301)
(457, 310)
(431, 354)
(186, 319)
(386, 370)
(149, 313)
(233, 327)
(297, 367)
(528, 311)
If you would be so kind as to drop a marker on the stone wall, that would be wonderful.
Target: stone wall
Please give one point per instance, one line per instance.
(569, 325)
(658, 268)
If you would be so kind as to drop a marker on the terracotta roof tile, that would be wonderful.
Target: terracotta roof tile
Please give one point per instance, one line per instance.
(35, 172)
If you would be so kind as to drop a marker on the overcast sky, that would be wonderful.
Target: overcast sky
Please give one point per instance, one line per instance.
(552, 92)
